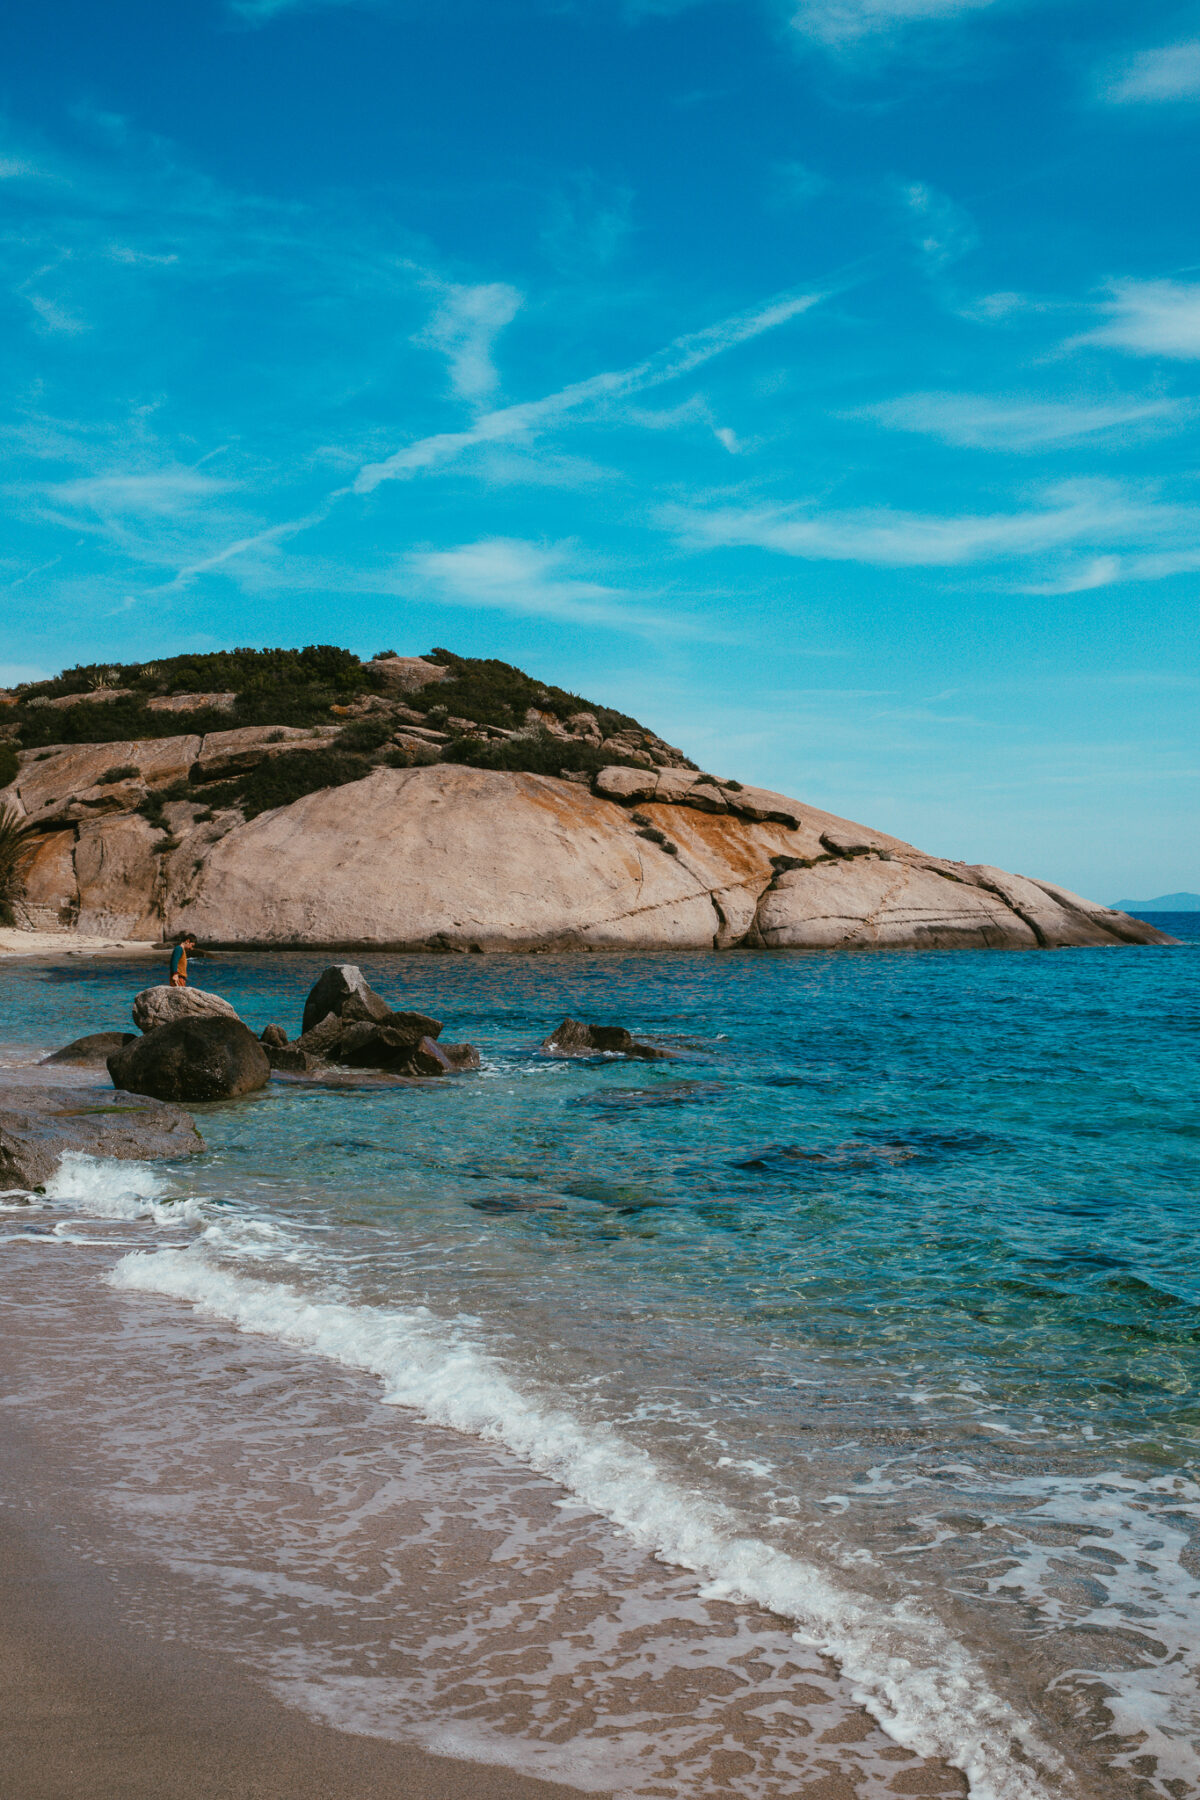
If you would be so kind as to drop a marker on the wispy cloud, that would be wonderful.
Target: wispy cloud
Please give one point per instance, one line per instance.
(515, 576)
(163, 492)
(942, 231)
(842, 24)
(464, 329)
(1169, 72)
(678, 358)
(987, 422)
(1104, 571)
(1073, 513)
(1151, 318)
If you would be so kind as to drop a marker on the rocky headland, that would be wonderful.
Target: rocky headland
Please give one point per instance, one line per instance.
(444, 803)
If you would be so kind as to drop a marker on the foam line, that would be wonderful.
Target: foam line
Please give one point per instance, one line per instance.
(904, 1665)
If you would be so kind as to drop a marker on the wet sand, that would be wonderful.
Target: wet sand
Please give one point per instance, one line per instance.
(228, 1569)
(91, 1711)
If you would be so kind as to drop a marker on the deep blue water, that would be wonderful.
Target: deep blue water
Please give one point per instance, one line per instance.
(899, 1260)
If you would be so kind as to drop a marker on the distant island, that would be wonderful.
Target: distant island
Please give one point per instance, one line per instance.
(1164, 903)
(307, 798)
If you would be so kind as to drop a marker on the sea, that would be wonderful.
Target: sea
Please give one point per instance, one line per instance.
(843, 1367)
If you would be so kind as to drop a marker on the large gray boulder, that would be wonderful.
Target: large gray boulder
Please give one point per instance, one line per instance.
(39, 1125)
(193, 1059)
(157, 1006)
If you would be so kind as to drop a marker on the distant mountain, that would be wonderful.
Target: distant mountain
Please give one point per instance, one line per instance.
(1164, 903)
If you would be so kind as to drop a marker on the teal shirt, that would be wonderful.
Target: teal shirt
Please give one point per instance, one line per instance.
(179, 961)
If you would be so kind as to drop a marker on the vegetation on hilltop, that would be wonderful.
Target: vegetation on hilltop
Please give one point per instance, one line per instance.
(309, 687)
(278, 687)
(489, 692)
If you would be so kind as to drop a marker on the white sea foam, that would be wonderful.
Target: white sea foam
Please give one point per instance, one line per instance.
(905, 1666)
(102, 1188)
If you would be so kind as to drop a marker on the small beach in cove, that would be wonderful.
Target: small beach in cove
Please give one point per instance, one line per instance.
(812, 1414)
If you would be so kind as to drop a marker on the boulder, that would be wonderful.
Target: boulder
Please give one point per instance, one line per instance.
(186, 703)
(400, 1045)
(38, 1126)
(407, 674)
(272, 1037)
(158, 1006)
(574, 1038)
(338, 985)
(235, 752)
(288, 1059)
(213, 1058)
(97, 1048)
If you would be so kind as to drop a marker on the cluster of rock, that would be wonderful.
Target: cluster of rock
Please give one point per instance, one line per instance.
(191, 1046)
(194, 1047)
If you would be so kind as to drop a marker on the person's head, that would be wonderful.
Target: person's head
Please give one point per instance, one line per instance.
(187, 941)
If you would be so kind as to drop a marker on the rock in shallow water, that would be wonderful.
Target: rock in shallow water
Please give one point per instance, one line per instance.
(330, 993)
(38, 1126)
(96, 1048)
(347, 1022)
(574, 1038)
(194, 1059)
(157, 1006)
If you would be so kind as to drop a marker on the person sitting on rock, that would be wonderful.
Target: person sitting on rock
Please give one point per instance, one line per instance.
(179, 960)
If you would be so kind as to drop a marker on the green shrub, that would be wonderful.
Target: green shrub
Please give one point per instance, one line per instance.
(282, 779)
(539, 754)
(9, 764)
(122, 772)
(495, 693)
(365, 735)
(14, 838)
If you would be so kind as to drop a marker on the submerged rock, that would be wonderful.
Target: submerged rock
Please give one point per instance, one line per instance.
(96, 1048)
(193, 1059)
(38, 1126)
(165, 1005)
(574, 1038)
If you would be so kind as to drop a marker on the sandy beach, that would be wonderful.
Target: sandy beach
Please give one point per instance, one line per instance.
(229, 1570)
(42, 946)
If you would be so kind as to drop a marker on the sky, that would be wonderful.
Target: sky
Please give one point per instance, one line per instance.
(816, 380)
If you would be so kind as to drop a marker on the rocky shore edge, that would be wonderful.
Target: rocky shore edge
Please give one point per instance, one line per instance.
(191, 1048)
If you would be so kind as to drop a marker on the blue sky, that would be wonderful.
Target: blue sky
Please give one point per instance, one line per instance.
(816, 379)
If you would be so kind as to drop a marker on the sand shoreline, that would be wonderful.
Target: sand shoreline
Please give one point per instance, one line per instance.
(46, 946)
(91, 1709)
(230, 1571)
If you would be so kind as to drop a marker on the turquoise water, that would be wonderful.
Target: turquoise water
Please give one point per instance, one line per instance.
(896, 1267)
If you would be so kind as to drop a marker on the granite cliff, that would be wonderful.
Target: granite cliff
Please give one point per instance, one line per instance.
(383, 817)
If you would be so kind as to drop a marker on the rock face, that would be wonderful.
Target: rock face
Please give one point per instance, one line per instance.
(574, 1038)
(212, 1058)
(39, 1125)
(448, 857)
(96, 1048)
(157, 1006)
